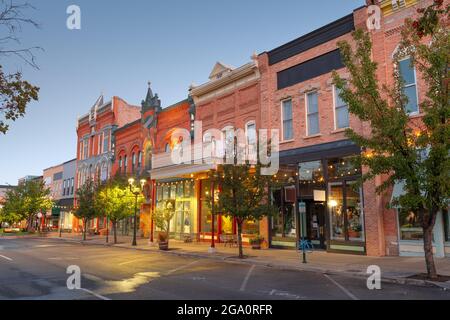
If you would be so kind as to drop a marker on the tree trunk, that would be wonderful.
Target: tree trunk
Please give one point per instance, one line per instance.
(428, 250)
(30, 223)
(84, 229)
(239, 227)
(114, 222)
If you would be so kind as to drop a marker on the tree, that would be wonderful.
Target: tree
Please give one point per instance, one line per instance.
(244, 194)
(86, 208)
(25, 201)
(116, 200)
(15, 93)
(162, 217)
(415, 152)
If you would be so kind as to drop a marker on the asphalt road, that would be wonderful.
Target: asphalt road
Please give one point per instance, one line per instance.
(36, 269)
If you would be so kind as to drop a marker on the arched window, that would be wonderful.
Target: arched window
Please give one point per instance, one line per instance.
(140, 159)
(125, 164)
(408, 73)
(133, 162)
(252, 148)
(120, 165)
(167, 148)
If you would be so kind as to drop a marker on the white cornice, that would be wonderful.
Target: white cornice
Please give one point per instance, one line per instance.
(228, 78)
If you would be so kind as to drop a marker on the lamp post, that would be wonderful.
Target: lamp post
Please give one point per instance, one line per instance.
(136, 190)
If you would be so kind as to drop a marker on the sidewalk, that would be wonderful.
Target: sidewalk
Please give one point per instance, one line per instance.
(394, 269)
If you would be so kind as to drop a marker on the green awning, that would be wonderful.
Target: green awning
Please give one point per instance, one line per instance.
(56, 212)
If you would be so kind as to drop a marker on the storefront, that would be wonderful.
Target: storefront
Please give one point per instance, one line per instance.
(187, 191)
(319, 199)
(410, 232)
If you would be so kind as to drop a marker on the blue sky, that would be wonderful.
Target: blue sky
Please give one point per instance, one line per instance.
(124, 44)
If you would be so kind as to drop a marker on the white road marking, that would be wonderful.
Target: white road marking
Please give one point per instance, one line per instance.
(348, 293)
(92, 277)
(5, 257)
(181, 267)
(95, 294)
(63, 258)
(244, 283)
(128, 262)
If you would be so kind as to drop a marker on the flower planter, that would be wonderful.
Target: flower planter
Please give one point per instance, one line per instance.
(353, 234)
(163, 245)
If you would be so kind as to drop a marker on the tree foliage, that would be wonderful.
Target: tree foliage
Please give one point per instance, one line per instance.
(244, 194)
(15, 93)
(25, 201)
(413, 151)
(116, 201)
(86, 208)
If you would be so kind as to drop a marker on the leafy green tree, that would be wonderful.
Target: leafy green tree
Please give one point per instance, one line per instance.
(244, 194)
(25, 201)
(162, 217)
(416, 152)
(86, 208)
(117, 202)
(15, 93)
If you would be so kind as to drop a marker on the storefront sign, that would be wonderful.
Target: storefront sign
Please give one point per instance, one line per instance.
(319, 195)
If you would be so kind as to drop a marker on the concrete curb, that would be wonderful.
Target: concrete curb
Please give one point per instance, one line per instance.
(233, 259)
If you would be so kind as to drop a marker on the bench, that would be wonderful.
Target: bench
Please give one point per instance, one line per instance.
(228, 239)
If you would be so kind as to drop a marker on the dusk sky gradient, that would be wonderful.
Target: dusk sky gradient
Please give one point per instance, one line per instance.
(124, 44)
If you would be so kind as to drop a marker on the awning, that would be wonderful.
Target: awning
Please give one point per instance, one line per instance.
(179, 170)
(399, 190)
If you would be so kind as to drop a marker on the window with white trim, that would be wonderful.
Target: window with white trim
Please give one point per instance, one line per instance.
(340, 111)
(408, 74)
(286, 115)
(312, 113)
(250, 130)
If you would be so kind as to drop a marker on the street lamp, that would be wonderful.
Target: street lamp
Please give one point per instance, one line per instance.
(136, 190)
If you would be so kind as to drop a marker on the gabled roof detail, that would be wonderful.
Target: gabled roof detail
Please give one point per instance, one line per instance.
(219, 70)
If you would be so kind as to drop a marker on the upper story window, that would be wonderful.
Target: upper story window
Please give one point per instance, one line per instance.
(340, 110)
(167, 148)
(133, 161)
(286, 115)
(139, 159)
(125, 164)
(250, 130)
(408, 74)
(312, 114)
(106, 141)
(120, 164)
(100, 143)
(85, 149)
(228, 143)
(71, 185)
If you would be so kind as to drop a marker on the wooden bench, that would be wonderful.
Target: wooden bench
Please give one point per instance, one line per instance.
(228, 239)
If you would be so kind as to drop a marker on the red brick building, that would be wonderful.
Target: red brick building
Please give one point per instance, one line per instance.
(298, 97)
(288, 88)
(95, 148)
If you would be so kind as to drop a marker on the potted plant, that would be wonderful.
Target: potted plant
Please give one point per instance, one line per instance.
(162, 217)
(163, 241)
(256, 242)
(354, 231)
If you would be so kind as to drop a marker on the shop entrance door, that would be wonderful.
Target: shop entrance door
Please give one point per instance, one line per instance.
(315, 215)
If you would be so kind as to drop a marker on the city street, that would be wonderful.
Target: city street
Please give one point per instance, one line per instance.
(36, 269)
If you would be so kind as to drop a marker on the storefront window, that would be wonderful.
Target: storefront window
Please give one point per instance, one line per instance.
(311, 171)
(206, 215)
(410, 228)
(346, 214)
(354, 213)
(227, 225)
(336, 206)
(250, 227)
(339, 168)
(283, 225)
